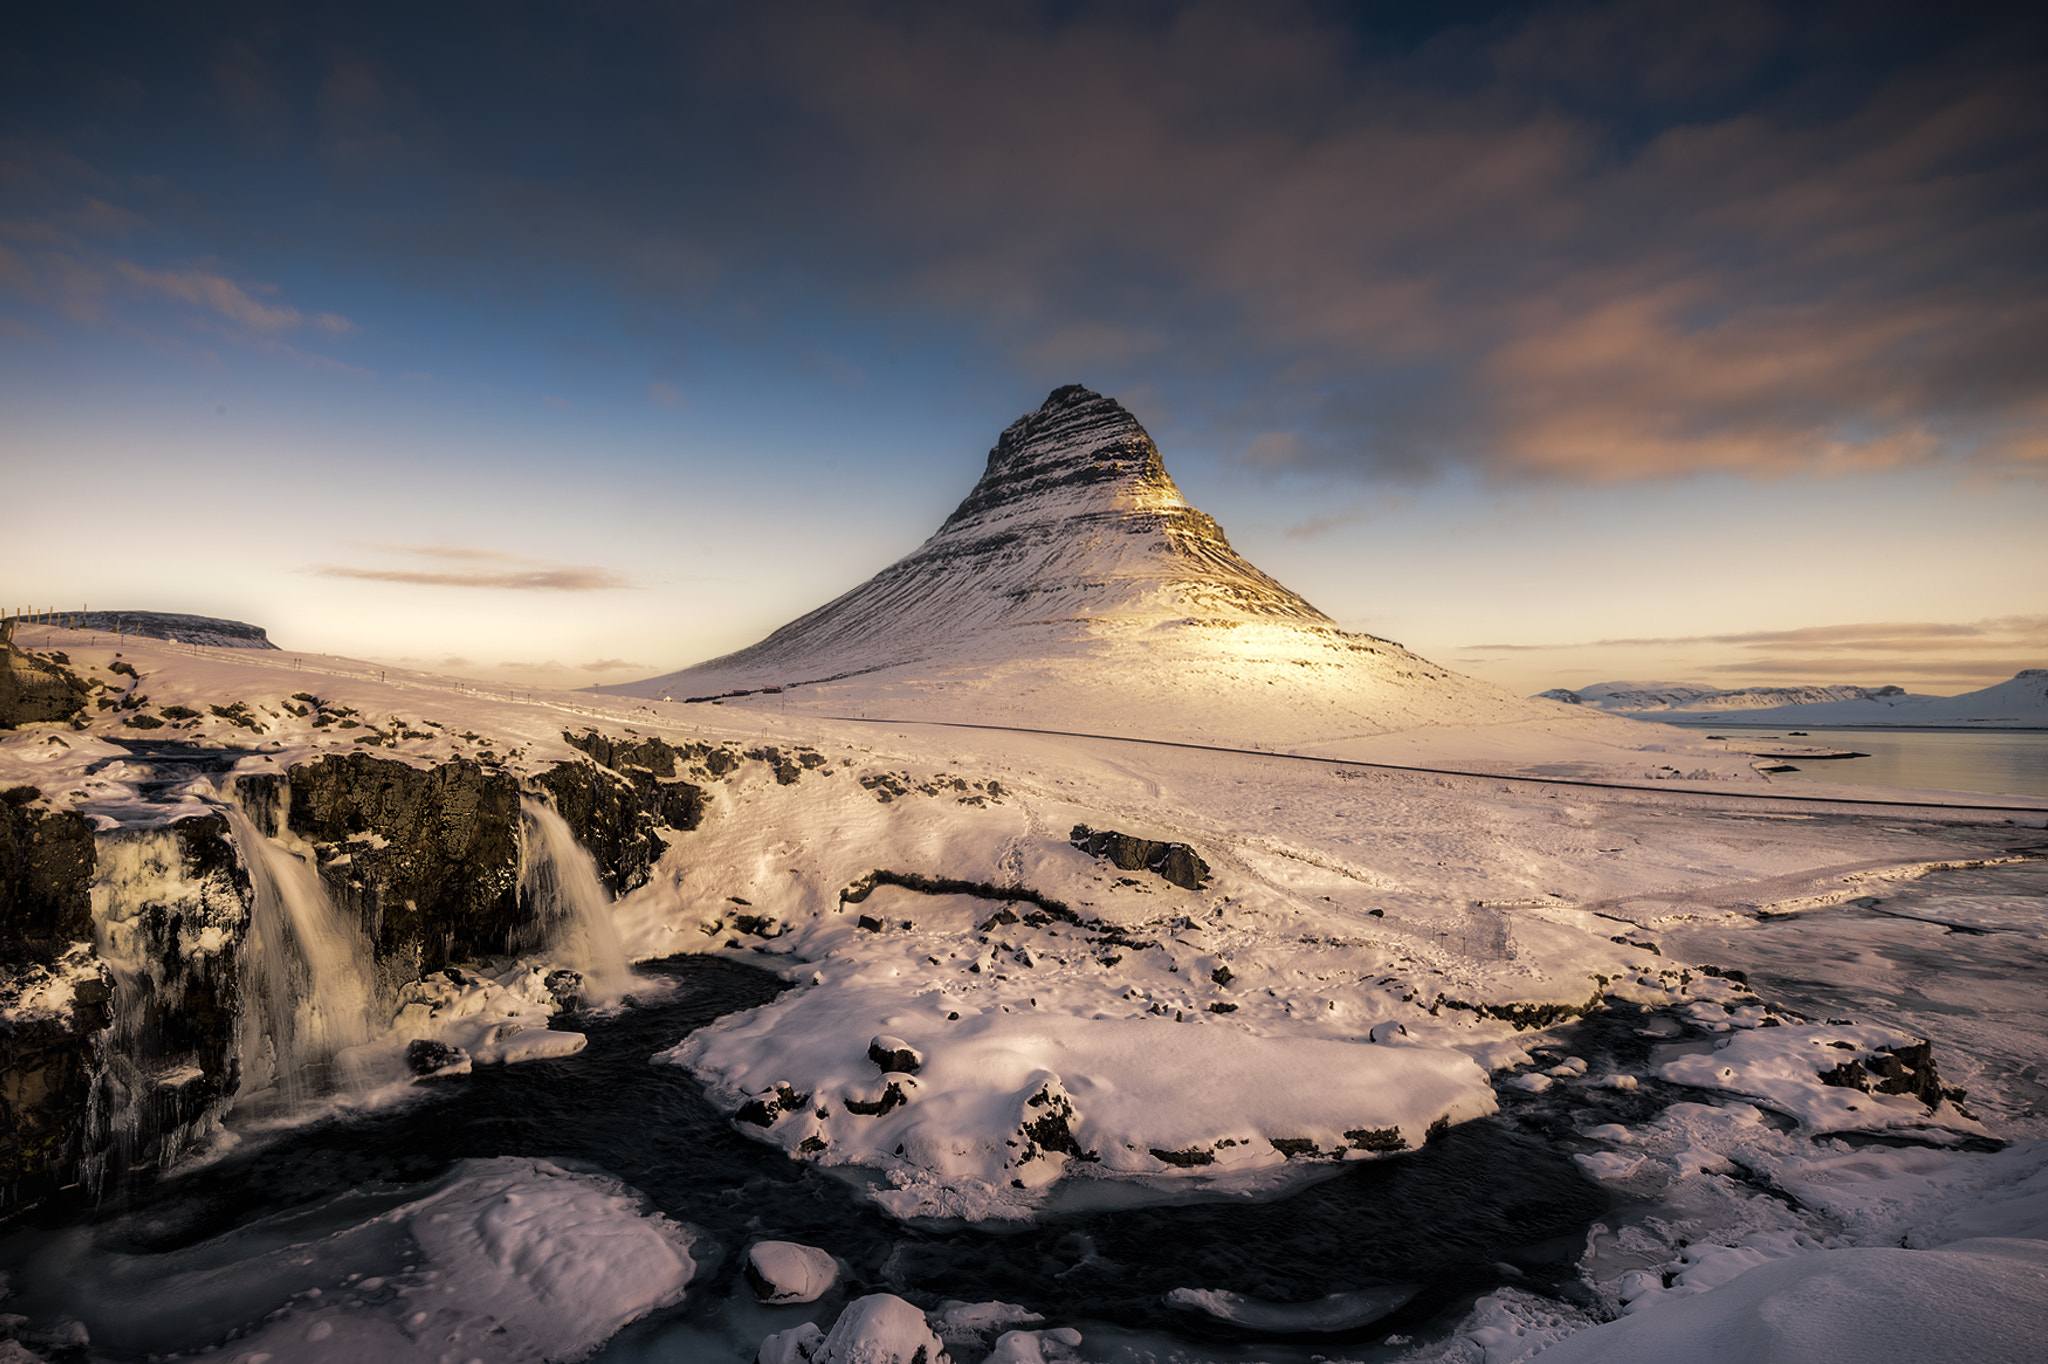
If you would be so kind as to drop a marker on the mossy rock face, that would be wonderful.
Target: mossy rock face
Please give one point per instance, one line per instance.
(444, 884)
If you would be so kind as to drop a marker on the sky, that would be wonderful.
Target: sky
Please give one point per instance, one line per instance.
(570, 344)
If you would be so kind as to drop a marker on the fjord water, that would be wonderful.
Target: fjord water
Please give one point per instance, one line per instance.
(2010, 762)
(1446, 1219)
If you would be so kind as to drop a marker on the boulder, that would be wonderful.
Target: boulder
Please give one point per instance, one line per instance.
(880, 1329)
(427, 1058)
(787, 1272)
(1173, 862)
(893, 1055)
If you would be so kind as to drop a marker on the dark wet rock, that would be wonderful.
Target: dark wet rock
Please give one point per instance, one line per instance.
(35, 690)
(1048, 1126)
(1906, 1070)
(764, 1109)
(1048, 910)
(895, 1092)
(426, 858)
(617, 803)
(426, 1057)
(566, 987)
(1376, 1139)
(894, 1054)
(1173, 862)
(1524, 1015)
(46, 864)
(1186, 1160)
(608, 816)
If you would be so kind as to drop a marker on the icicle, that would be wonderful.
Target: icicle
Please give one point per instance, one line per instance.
(572, 914)
(166, 934)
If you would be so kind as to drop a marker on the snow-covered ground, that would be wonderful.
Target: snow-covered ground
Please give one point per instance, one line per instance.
(1350, 972)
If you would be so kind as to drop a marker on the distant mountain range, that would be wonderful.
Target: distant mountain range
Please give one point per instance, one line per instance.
(2021, 702)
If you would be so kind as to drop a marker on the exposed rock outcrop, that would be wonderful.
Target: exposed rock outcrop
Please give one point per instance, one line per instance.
(617, 803)
(34, 689)
(211, 631)
(427, 858)
(1173, 862)
(46, 862)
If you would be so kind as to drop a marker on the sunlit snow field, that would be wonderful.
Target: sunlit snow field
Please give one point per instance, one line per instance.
(1629, 1165)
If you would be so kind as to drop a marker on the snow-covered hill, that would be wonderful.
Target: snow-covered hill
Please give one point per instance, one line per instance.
(177, 627)
(2019, 702)
(1075, 589)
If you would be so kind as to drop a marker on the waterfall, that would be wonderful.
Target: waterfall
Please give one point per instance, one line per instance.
(308, 982)
(572, 913)
(165, 931)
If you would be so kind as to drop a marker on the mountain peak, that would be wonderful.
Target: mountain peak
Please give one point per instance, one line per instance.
(1075, 526)
(1078, 445)
(1075, 578)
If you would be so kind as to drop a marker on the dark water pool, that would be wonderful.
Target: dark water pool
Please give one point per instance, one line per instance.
(1492, 1202)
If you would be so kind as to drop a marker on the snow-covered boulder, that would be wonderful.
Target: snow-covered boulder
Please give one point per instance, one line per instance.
(787, 1272)
(880, 1329)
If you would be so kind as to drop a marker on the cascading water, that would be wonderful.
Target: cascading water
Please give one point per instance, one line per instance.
(572, 914)
(166, 927)
(308, 983)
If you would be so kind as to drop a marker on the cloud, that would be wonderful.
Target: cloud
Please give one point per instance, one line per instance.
(510, 572)
(1591, 243)
(559, 404)
(1938, 656)
(565, 579)
(1586, 242)
(218, 293)
(665, 395)
(1316, 526)
(1879, 637)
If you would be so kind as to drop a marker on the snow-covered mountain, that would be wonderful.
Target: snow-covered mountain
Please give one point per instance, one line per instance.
(1076, 589)
(2021, 701)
